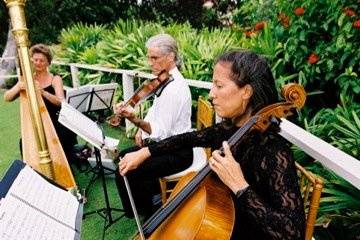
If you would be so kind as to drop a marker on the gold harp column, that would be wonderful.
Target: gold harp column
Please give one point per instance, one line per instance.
(20, 32)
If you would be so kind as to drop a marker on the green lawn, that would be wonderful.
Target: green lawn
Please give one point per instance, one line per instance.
(9, 133)
(92, 226)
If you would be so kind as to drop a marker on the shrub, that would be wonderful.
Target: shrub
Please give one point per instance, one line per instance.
(122, 45)
(318, 40)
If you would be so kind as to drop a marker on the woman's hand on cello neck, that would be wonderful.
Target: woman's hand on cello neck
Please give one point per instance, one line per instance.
(228, 170)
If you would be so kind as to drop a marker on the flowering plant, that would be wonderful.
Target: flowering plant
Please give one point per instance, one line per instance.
(319, 40)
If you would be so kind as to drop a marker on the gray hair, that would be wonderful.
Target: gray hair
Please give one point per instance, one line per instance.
(166, 44)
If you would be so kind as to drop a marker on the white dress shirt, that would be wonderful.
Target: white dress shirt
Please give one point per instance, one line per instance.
(170, 113)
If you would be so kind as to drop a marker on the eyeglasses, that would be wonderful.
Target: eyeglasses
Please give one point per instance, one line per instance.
(155, 58)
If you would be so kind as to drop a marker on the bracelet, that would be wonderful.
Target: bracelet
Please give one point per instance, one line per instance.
(241, 191)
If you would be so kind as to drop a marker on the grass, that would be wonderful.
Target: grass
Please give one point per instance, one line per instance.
(92, 225)
(9, 133)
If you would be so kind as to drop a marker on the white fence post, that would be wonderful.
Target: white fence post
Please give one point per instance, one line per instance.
(74, 76)
(18, 72)
(128, 91)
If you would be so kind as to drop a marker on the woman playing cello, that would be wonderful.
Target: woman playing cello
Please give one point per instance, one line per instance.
(260, 171)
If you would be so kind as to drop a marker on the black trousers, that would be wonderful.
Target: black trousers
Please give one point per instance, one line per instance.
(144, 181)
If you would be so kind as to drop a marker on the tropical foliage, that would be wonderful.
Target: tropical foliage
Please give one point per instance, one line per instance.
(340, 200)
(315, 39)
(312, 42)
(46, 18)
(122, 45)
(315, 43)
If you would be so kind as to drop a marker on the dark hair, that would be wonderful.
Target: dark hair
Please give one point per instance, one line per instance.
(249, 68)
(43, 49)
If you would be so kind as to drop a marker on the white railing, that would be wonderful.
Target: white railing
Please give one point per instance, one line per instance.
(8, 76)
(341, 163)
(127, 76)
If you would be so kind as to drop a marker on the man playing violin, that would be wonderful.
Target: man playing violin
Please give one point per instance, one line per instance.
(169, 115)
(260, 171)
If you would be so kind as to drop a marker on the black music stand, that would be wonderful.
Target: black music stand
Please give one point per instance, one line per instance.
(104, 212)
(92, 133)
(91, 98)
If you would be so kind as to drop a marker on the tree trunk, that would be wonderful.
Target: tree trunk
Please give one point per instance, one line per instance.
(8, 63)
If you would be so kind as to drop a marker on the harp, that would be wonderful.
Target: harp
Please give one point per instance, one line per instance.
(61, 169)
(41, 146)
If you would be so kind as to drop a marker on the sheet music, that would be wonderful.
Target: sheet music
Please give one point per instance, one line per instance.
(105, 92)
(111, 143)
(81, 125)
(41, 211)
(84, 127)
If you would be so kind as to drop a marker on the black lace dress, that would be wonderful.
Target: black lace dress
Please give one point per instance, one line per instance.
(271, 208)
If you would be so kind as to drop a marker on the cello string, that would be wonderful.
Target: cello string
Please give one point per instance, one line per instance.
(240, 132)
(159, 216)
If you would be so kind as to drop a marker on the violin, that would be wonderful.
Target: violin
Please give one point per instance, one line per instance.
(146, 90)
(201, 206)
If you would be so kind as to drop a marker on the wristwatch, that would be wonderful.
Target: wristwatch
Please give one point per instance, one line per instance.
(241, 192)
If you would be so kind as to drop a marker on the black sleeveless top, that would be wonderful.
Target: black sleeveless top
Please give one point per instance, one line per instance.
(52, 109)
(66, 137)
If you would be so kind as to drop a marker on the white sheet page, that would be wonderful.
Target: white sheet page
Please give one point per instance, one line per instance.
(18, 221)
(44, 196)
(81, 125)
(111, 143)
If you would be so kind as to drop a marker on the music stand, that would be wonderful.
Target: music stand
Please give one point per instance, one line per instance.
(92, 133)
(91, 98)
(104, 212)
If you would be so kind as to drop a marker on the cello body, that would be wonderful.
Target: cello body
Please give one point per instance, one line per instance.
(207, 214)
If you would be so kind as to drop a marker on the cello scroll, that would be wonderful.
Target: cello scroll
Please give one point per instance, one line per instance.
(294, 95)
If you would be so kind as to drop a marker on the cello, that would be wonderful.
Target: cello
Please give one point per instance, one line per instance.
(146, 90)
(201, 206)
